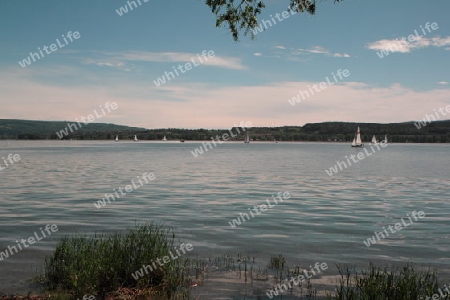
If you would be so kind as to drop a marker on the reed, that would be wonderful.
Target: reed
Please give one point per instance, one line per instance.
(376, 283)
(103, 264)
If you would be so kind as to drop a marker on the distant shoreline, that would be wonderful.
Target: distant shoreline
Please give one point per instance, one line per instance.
(340, 132)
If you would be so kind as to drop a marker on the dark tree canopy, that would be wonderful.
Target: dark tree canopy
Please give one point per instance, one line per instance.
(242, 15)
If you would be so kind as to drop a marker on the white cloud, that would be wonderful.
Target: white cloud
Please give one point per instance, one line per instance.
(341, 55)
(316, 50)
(404, 46)
(217, 61)
(393, 45)
(439, 41)
(319, 50)
(107, 63)
(120, 58)
(257, 54)
(443, 82)
(280, 47)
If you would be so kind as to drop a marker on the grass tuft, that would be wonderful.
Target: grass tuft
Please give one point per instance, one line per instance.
(104, 264)
(376, 283)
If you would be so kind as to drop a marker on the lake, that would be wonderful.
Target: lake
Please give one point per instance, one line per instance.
(325, 219)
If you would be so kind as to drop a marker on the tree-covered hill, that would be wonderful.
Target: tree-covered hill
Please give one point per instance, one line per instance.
(435, 132)
(36, 130)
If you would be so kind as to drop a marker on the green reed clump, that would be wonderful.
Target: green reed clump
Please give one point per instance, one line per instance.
(277, 262)
(380, 284)
(104, 263)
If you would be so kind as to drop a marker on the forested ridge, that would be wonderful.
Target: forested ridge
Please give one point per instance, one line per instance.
(434, 132)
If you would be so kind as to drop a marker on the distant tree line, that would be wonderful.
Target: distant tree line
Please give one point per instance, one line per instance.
(435, 132)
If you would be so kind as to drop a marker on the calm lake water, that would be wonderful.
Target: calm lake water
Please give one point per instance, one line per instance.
(325, 220)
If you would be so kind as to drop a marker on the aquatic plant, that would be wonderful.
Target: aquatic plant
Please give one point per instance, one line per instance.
(103, 264)
(376, 283)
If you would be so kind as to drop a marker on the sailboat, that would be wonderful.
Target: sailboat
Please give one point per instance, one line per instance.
(357, 143)
(385, 139)
(247, 139)
(374, 140)
(135, 138)
(117, 138)
(164, 139)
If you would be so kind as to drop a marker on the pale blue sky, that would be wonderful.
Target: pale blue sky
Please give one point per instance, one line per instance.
(117, 58)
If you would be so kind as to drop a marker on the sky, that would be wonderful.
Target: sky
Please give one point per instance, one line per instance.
(117, 56)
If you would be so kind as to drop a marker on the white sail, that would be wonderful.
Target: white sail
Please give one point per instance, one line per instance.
(358, 137)
(117, 138)
(247, 139)
(135, 138)
(357, 142)
(374, 140)
(385, 139)
(164, 138)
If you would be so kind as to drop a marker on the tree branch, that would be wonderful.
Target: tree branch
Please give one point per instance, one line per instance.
(244, 16)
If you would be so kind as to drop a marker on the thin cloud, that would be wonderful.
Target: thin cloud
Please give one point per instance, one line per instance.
(341, 55)
(280, 47)
(120, 60)
(316, 50)
(403, 46)
(257, 54)
(319, 50)
(392, 45)
(108, 63)
(443, 82)
(217, 61)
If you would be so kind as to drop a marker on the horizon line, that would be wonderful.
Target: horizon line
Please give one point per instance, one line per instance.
(198, 128)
